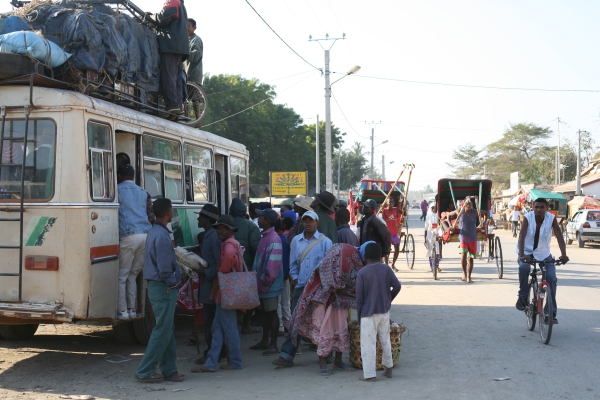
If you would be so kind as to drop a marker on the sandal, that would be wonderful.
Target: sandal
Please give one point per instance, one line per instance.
(151, 379)
(270, 352)
(201, 368)
(325, 372)
(175, 377)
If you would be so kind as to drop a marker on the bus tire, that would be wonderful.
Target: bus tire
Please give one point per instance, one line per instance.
(124, 333)
(143, 326)
(18, 332)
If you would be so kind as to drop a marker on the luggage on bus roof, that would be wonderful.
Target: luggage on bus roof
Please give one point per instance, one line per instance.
(99, 38)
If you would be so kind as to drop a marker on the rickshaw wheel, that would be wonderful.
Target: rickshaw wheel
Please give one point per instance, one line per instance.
(498, 257)
(409, 249)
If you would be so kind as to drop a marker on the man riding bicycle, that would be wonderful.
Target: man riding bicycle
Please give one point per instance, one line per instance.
(534, 243)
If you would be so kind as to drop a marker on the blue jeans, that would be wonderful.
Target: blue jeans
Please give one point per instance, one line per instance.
(550, 278)
(161, 349)
(288, 350)
(225, 331)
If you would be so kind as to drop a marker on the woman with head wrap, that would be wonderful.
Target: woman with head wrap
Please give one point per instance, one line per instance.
(322, 311)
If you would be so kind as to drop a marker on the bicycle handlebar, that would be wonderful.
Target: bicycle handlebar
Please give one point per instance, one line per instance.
(554, 261)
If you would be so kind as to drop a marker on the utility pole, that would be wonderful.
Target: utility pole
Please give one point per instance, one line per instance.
(578, 178)
(328, 169)
(339, 175)
(318, 166)
(372, 125)
(557, 173)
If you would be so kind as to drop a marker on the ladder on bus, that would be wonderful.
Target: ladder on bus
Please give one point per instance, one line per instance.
(20, 193)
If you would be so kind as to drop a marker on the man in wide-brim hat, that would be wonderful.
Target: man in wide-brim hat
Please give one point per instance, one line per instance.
(224, 329)
(323, 206)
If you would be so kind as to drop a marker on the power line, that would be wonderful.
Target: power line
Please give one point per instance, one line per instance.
(470, 86)
(340, 108)
(298, 19)
(260, 102)
(270, 80)
(276, 34)
(315, 14)
(342, 28)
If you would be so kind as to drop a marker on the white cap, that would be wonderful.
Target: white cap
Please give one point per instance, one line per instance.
(310, 214)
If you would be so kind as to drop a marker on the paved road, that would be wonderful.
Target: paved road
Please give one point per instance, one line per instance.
(461, 336)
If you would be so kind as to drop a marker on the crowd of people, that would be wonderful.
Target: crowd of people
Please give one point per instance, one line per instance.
(311, 270)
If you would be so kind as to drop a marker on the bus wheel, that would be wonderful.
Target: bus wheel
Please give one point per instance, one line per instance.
(143, 326)
(18, 332)
(124, 333)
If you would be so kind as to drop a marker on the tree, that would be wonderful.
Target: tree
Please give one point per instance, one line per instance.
(468, 161)
(521, 148)
(273, 133)
(353, 167)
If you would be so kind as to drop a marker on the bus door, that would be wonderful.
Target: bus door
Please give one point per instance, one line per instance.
(128, 145)
(221, 180)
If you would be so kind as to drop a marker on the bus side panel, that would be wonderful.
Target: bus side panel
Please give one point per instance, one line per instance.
(44, 236)
(104, 245)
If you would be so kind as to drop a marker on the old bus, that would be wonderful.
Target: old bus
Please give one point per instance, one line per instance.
(59, 241)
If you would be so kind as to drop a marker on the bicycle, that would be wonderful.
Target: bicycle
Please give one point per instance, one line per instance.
(539, 300)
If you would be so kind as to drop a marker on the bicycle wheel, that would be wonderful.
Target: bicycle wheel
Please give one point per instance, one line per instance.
(546, 317)
(531, 308)
(194, 106)
(409, 249)
(498, 257)
(433, 268)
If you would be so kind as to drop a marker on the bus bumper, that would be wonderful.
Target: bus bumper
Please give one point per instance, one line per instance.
(32, 313)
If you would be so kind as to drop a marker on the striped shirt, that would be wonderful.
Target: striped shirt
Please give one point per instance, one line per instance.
(268, 264)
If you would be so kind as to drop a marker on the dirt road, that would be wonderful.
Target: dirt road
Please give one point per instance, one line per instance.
(461, 336)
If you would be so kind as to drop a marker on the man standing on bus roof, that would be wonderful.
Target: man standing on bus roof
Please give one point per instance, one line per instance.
(163, 275)
(173, 44)
(193, 65)
(133, 227)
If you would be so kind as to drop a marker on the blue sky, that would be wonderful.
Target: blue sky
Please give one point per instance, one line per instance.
(527, 44)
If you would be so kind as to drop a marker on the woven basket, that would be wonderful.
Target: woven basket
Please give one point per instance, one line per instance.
(395, 338)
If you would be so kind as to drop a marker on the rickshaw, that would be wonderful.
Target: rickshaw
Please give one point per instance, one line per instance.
(381, 191)
(450, 191)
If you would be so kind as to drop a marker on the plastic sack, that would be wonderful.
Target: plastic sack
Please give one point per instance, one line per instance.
(28, 43)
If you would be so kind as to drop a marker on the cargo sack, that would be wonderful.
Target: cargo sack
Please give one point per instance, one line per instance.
(29, 43)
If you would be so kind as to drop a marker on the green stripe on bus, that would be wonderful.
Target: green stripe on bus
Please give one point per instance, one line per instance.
(182, 231)
(37, 231)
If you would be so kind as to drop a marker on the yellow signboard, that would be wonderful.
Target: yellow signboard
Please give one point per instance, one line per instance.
(288, 183)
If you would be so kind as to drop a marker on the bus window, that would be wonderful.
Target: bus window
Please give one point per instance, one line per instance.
(239, 180)
(101, 171)
(162, 168)
(198, 174)
(39, 159)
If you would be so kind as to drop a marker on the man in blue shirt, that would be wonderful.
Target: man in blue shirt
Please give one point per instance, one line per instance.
(163, 274)
(133, 227)
(306, 251)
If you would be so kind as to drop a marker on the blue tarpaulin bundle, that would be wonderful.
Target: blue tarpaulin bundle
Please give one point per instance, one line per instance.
(28, 43)
(99, 38)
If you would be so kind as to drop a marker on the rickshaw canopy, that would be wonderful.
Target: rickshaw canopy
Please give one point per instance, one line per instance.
(561, 210)
(451, 191)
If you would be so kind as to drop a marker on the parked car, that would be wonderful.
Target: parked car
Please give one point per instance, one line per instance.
(584, 227)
